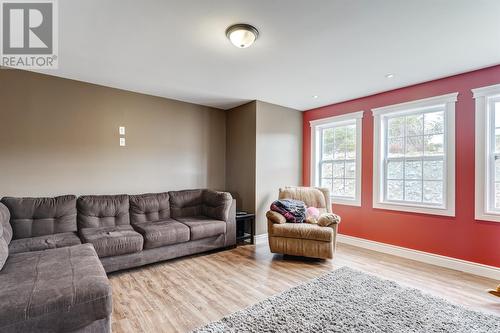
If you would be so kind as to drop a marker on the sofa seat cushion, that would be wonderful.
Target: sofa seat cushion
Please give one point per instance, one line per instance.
(161, 233)
(301, 231)
(203, 227)
(58, 290)
(113, 241)
(44, 242)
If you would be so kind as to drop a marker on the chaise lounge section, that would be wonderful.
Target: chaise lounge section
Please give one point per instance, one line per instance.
(60, 289)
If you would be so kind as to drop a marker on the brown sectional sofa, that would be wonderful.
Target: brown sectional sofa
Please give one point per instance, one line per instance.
(55, 252)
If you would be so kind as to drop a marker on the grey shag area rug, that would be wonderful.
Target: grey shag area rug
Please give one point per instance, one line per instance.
(347, 300)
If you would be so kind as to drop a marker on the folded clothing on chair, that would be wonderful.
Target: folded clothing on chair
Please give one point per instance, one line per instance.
(293, 210)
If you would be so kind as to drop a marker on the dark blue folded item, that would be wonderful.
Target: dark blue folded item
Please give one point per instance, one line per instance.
(293, 210)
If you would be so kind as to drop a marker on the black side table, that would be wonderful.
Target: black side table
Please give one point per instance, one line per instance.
(245, 228)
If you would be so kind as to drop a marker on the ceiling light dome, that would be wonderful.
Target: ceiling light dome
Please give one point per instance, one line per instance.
(242, 35)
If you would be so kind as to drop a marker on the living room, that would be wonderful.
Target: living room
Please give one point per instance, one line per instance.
(250, 166)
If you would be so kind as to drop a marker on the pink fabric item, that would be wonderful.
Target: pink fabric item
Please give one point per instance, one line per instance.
(312, 212)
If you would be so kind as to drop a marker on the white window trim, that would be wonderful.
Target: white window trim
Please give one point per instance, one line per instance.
(481, 96)
(315, 153)
(448, 101)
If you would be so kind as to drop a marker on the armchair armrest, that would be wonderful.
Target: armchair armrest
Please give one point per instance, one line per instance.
(275, 217)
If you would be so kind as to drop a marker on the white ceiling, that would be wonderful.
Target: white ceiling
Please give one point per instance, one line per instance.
(336, 49)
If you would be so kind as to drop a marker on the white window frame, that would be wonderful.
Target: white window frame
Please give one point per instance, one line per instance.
(345, 119)
(483, 168)
(380, 114)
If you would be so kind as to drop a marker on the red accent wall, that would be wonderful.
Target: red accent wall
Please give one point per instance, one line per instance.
(459, 237)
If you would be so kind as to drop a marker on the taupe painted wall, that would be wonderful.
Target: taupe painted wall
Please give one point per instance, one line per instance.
(278, 157)
(61, 136)
(264, 153)
(240, 153)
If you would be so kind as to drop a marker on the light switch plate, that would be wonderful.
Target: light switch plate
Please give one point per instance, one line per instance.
(122, 142)
(122, 130)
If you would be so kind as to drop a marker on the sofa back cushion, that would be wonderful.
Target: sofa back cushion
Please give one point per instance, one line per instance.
(5, 234)
(95, 211)
(149, 207)
(186, 203)
(32, 217)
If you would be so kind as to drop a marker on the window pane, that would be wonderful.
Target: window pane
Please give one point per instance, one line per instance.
(350, 169)
(413, 191)
(434, 144)
(327, 183)
(326, 170)
(338, 187)
(497, 195)
(328, 136)
(395, 127)
(395, 147)
(350, 188)
(433, 192)
(327, 144)
(340, 143)
(497, 114)
(338, 169)
(351, 142)
(414, 146)
(497, 140)
(434, 122)
(394, 190)
(413, 170)
(415, 124)
(433, 170)
(327, 153)
(394, 170)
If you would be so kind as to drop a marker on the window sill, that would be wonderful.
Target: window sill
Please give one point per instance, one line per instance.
(347, 202)
(486, 216)
(415, 209)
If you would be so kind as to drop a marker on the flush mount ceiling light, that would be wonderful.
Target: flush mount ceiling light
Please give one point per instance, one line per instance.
(389, 75)
(242, 35)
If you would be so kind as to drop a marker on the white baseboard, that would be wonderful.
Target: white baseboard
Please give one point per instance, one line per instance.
(260, 239)
(429, 258)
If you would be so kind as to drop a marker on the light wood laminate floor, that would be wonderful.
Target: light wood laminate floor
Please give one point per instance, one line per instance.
(183, 294)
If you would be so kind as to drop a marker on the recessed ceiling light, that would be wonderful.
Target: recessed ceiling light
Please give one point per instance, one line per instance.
(389, 75)
(242, 35)
(315, 96)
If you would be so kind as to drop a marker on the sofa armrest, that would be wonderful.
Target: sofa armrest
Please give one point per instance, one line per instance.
(217, 204)
(230, 239)
(221, 206)
(275, 217)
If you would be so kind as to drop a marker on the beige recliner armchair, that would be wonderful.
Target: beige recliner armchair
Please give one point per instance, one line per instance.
(302, 239)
